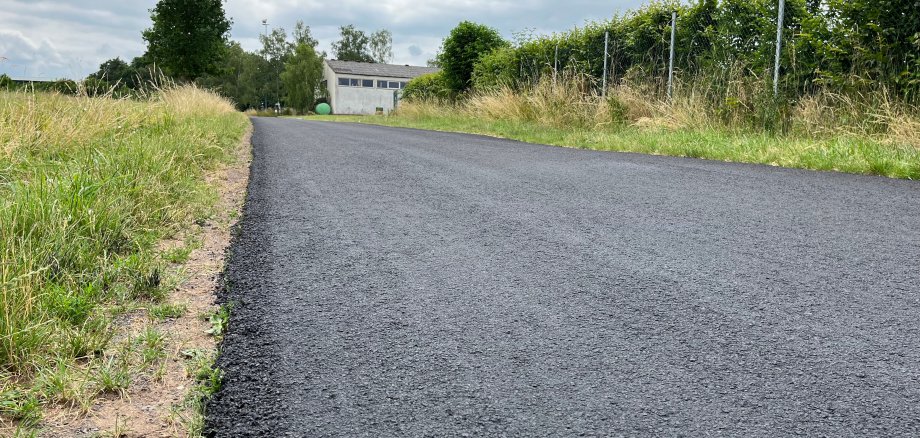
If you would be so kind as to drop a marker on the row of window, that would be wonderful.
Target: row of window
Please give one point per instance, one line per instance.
(369, 83)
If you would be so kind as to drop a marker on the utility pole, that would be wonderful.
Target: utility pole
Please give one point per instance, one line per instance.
(671, 64)
(606, 42)
(779, 46)
(265, 23)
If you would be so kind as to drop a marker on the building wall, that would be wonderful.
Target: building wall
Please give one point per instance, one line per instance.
(331, 84)
(355, 100)
(358, 100)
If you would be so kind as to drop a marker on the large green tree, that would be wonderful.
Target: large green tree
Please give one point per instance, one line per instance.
(355, 45)
(116, 71)
(463, 48)
(352, 46)
(381, 46)
(188, 37)
(244, 77)
(301, 77)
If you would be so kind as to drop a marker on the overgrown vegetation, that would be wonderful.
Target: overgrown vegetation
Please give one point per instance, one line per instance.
(847, 100)
(88, 186)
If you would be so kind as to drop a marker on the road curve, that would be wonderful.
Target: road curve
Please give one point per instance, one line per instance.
(393, 282)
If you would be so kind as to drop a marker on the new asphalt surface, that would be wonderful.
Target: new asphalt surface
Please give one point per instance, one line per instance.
(392, 282)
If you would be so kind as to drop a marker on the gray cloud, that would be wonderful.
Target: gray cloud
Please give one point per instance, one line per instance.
(54, 38)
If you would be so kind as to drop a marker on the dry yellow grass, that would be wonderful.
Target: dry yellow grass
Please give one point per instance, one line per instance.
(50, 120)
(572, 103)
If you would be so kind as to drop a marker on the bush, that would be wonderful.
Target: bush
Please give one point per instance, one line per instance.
(432, 86)
(496, 69)
(463, 48)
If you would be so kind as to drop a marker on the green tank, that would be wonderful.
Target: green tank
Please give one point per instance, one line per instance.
(323, 109)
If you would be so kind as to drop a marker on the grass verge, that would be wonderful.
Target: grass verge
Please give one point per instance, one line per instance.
(88, 187)
(827, 132)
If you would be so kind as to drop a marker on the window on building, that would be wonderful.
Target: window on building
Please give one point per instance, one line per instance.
(402, 85)
(355, 82)
(394, 84)
(343, 81)
(381, 84)
(367, 83)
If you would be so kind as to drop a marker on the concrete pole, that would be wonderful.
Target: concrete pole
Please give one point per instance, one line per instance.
(779, 46)
(671, 64)
(606, 41)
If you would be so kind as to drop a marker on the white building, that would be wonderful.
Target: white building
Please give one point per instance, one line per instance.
(364, 87)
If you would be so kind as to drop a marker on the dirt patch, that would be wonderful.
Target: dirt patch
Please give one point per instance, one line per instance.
(154, 404)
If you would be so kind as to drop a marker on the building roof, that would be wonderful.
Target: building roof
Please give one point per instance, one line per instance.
(384, 70)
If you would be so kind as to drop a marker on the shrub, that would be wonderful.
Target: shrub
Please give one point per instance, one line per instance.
(432, 86)
(462, 49)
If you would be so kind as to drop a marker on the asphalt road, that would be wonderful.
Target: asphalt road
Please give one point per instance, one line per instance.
(394, 282)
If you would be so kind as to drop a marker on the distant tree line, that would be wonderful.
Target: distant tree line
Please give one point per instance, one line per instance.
(189, 41)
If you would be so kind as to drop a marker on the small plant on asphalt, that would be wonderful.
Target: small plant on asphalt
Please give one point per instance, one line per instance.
(219, 319)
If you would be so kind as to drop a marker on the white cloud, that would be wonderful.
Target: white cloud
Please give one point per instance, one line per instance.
(55, 38)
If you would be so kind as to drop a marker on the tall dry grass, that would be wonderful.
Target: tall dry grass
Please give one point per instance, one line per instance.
(738, 120)
(572, 101)
(88, 185)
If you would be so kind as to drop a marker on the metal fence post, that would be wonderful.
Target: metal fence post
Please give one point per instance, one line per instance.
(671, 64)
(556, 64)
(606, 41)
(779, 46)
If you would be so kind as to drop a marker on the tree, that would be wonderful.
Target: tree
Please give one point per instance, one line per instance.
(301, 77)
(188, 37)
(116, 71)
(244, 77)
(381, 46)
(302, 35)
(462, 49)
(353, 46)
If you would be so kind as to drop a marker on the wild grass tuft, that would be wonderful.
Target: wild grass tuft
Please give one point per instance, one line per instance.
(167, 311)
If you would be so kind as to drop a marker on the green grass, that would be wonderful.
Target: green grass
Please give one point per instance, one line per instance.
(845, 153)
(165, 311)
(88, 186)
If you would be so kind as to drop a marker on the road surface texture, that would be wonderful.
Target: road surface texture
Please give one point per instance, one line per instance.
(393, 282)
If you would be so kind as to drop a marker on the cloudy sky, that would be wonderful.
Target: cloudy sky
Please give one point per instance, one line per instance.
(47, 39)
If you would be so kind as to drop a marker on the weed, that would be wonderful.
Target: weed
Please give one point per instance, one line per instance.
(22, 406)
(180, 254)
(153, 345)
(113, 376)
(219, 319)
(64, 383)
(167, 311)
